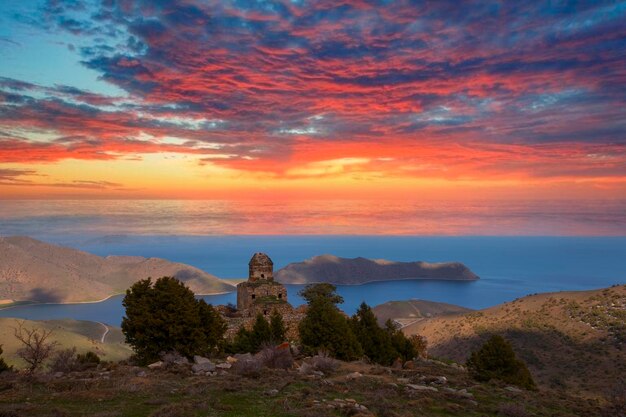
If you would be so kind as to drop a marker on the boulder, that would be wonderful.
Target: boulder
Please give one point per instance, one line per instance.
(203, 367)
(200, 359)
(231, 360)
(422, 387)
(354, 375)
(224, 365)
(156, 365)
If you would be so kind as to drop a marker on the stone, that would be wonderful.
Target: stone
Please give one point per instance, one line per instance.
(422, 387)
(141, 374)
(231, 360)
(393, 385)
(463, 393)
(409, 365)
(156, 365)
(512, 389)
(441, 380)
(203, 367)
(403, 380)
(271, 392)
(224, 365)
(200, 359)
(58, 374)
(397, 364)
(354, 375)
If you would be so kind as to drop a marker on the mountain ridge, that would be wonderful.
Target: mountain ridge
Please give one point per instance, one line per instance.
(33, 270)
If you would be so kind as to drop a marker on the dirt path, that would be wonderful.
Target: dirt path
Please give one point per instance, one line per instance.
(106, 331)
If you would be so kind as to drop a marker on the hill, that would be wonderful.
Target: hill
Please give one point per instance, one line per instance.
(572, 340)
(411, 311)
(32, 270)
(84, 335)
(329, 268)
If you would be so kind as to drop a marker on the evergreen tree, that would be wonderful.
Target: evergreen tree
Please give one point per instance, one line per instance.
(496, 360)
(277, 327)
(261, 333)
(3, 364)
(166, 316)
(402, 345)
(374, 340)
(324, 327)
(242, 342)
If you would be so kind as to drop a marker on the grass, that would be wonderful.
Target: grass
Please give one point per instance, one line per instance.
(84, 335)
(116, 390)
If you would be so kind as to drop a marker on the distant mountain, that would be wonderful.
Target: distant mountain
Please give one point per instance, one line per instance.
(32, 270)
(574, 340)
(329, 268)
(411, 311)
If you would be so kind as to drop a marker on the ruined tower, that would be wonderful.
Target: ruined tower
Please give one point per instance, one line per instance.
(260, 293)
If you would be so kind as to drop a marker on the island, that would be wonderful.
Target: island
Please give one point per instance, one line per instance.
(345, 271)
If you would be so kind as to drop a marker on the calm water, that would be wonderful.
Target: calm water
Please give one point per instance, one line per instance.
(509, 267)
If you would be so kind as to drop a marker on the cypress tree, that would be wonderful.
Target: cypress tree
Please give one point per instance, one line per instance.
(277, 327)
(324, 327)
(375, 341)
(3, 364)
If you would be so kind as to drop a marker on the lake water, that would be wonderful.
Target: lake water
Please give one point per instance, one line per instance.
(509, 267)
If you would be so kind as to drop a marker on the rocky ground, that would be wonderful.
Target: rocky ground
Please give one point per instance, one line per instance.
(222, 388)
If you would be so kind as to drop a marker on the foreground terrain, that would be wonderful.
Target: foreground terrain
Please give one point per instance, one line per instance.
(353, 389)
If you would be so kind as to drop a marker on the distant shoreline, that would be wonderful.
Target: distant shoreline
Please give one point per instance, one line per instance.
(31, 303)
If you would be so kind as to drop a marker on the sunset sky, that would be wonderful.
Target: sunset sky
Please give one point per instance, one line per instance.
(313, 99)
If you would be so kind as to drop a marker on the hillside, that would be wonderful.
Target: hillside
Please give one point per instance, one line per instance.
(31, 270)
(572, 340)
(410, 311)
(84, 335)
(329, 268)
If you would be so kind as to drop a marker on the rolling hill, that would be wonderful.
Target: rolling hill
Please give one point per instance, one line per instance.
(335, 270)
(32, 270)
(84, 335)
(573, 340)
(410, 311)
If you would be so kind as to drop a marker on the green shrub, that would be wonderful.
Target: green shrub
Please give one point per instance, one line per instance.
(3, 364)
(375, 341)
(89, 359)
(167, 317)
(496, 360)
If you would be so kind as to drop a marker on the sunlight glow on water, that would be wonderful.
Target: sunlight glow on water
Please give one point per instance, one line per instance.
(196, 217)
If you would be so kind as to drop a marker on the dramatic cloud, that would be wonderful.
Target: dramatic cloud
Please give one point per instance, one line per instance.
(317, 89)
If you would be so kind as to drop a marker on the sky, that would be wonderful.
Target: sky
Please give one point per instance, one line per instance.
(388, 100)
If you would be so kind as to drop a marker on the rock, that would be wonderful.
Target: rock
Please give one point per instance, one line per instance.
(393, 385)
(231, 360)
(441, 380)
(58, 374)
(397, 364)
(318, 373)
(271, 392)
(403, 380)
(354, 375)
(203, 367)
(200, 359)
(422, 387)
(141, 374)
(224, 365)
(463, 393)
(156, 365)
(512, 389)
(409, 365)
(242, 357)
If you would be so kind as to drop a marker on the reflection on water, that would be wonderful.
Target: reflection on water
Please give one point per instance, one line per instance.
(193, 217)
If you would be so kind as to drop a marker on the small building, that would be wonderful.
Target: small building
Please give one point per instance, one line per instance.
(260, 293)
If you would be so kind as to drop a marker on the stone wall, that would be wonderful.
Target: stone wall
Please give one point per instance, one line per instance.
(259, 292)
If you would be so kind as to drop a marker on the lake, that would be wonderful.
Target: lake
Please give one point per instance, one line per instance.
(509, 267)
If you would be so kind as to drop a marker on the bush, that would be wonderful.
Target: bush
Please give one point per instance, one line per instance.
(324, 363)
(277, 328)
(3, 364)
(276, 357)
(165, 317)
(248, 367)
(251, 341)
(496, 360)
(65, 361)
(89, 359)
